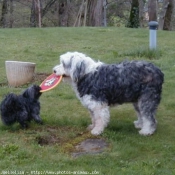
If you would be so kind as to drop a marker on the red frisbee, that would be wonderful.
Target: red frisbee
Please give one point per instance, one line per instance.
(50, 82)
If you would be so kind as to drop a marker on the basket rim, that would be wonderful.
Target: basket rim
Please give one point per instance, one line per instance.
(22, 62)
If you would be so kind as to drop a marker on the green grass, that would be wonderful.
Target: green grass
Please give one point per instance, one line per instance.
(48, 147)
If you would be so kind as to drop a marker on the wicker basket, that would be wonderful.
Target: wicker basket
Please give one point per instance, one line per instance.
(19, 73)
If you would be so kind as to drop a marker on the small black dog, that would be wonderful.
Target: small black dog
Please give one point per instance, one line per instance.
(22, 108)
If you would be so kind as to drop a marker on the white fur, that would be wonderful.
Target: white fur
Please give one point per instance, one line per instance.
(99, 110)
(99, 114)
(91, 65)
(147, 128)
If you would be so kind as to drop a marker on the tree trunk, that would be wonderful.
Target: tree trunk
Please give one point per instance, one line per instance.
(85, 14)
(39, 13)
(3, 21)
(64, 13)
(162, 14)
(33, 15)
(152, 10)
(47, 7)
(56, 13)
(95, 13)
(168, 15)
(134, 15)
(104, 13)
(82, 13)
(141, 12)
(11, 14)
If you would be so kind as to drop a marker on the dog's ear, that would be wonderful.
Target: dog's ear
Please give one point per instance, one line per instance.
(26, 93)
(79, 71)
(33, 92)
(67, 65)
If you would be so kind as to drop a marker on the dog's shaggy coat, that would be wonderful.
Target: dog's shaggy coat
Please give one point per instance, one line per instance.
(21, 108)
(99, 85)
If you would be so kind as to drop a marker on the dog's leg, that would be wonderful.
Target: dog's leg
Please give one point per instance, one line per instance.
(91, 126)
(99, 114)
(23, 124)
(22, 118)
(138, 123)
(149, 125)
(37, 119)
(101, 119)
(147, 106)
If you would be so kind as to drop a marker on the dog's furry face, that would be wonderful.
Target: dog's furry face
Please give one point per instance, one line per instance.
(75, 65)
(21, 108)
(32, 92)
(99, 85)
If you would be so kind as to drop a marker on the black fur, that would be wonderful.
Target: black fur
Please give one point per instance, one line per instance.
(99, 85)
(21, 108)
(124, 82)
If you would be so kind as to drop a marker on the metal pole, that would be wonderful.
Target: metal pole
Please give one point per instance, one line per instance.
(153, 34)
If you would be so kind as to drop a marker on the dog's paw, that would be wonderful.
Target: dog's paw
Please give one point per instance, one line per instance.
(96, 132)
(24, 125)
(40, 122)
(90, 127)
(146, 132)
(138, 125)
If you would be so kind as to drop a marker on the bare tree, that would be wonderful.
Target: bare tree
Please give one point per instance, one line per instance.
(64, 12)
(11, 14)
(95, 13)
(59, 7)
(33, 15)
(39, 12)
(3, 21)
(48, 6)
(166, 15)
(104, 13)
(82, 15)
(35, 18)
(133, 21)
(141, 12)
(152, 10)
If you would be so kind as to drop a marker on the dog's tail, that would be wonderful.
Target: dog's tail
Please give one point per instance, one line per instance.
(8, 108)
(158, 79)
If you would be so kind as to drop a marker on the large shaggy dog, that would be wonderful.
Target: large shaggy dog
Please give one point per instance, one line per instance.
(21, 108)
(99, 85)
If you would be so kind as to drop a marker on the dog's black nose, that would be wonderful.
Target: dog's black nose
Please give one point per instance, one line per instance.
(54, 71)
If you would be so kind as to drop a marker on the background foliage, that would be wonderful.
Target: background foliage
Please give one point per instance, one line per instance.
(66, 13)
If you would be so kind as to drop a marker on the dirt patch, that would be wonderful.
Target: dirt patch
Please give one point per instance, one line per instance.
(80, 143)
(73, 147)
(90, 146)
(40, 77)
(51, 135)
(48, 140)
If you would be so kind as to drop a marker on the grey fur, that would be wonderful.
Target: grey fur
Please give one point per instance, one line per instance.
(104, 85)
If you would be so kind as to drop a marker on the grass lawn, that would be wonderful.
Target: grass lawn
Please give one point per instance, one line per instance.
(47, 148)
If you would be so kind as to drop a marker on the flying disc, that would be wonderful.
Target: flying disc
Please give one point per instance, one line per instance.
(50, 82)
